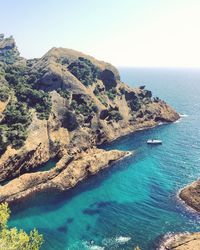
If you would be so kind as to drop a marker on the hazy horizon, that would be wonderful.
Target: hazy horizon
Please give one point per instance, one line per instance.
(125, 33)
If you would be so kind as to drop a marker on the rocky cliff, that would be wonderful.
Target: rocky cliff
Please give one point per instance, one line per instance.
(62, 105)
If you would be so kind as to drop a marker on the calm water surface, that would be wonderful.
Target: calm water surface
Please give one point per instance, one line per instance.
(133, 202)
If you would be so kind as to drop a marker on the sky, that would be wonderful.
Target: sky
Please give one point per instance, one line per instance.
(139, 33)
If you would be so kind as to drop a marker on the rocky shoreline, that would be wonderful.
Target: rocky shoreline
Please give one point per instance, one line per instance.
(191, 195)
(182, 241)
(68, 172)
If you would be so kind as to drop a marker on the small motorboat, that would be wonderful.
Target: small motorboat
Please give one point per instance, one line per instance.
(153, 141)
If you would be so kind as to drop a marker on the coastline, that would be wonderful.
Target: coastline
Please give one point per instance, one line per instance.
(64, 176)
(190, 195)
(185, 205)
(180, 241)
(41, 185)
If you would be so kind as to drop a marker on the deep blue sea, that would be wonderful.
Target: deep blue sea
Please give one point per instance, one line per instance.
(134, 202)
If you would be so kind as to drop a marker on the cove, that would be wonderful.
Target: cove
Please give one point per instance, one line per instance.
(134, 202)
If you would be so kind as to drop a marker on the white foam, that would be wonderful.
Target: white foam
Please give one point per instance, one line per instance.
(183, 115)
(115, 241)
(122, 239)
(96, 248)
(91, 246)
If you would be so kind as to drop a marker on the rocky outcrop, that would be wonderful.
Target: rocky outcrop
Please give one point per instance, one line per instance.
(8, 50)
(67, 173)
(187, 241)
(191, 195)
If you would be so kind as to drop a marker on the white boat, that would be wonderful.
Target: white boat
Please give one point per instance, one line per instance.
(153, 141)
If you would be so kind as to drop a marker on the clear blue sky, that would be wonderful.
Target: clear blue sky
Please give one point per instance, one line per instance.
(123, 32)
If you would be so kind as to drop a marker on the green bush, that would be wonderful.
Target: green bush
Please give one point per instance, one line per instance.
(102, 100)
(14, 125)
(111, 93)
(3, 138)
(115, 115)
(4, 93)
(64, 93)
(37, 99)
(84, 108)
(122, 90)
(24, 85)
(17, 112)
(84, 71)
(14, 239)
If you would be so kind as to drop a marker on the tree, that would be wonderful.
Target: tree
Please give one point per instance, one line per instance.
(14, 239)
(84, 71)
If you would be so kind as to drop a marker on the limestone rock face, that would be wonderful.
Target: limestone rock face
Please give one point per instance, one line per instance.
(182, 242)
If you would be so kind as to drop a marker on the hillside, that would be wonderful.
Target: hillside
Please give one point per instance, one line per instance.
(63, 105)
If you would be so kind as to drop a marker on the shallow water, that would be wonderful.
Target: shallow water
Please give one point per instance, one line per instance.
(134, 202)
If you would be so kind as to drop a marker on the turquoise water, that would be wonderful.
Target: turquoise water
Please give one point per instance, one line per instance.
(133, 202)
(47, 166)
(44, 167)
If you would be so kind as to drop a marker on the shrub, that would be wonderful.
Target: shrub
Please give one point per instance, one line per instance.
(111, 93)
(64, 61)
(3, 138)
(37, 99)
(24, 85)
(102, 100)
(84, 108)
(64, 93)
(115, 115)
(16, 239)
(84, 71)
(14, 125)
(4, 93)
(122, 90)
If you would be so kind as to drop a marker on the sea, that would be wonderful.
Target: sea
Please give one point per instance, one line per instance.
(134, 202)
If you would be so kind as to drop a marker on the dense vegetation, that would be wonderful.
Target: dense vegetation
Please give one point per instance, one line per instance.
(24, 85)
(14, 125)
(37, 99)
(23, 94)
(64, 93)
(84, 70)
(4, 93)
(14, 239)
(84, 108)
(9, 53)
